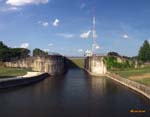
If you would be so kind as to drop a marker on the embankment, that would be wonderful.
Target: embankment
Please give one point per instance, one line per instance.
(22, 81)
(75, 62)
(140, 88)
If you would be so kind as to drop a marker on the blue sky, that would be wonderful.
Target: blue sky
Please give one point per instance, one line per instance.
(64, 26)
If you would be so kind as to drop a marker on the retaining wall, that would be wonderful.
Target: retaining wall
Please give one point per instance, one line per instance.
(52, 64)
(140, 88)
(22, 81)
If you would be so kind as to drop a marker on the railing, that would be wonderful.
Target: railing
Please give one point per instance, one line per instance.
(145, 90)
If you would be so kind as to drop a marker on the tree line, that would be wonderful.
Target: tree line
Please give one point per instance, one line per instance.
(11, 54)
(129, 62)
(144, 52)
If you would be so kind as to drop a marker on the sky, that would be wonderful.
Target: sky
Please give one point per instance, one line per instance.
(64, 26)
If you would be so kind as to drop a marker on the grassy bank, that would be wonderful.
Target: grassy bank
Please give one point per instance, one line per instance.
(141, 75)
(79, 62)
(11, 72)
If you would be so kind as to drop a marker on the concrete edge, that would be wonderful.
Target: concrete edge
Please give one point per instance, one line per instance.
(22, 81)
(121, 82)
(131, 87)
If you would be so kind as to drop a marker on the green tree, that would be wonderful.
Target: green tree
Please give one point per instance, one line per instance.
(110, 61)
(39, 52)
(2, 45)
(19, 53)
(8, 54)
(113, 54)
(144, 52)
(4, 52)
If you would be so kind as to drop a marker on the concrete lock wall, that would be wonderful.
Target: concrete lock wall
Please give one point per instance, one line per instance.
(95, 65)
(53, 64)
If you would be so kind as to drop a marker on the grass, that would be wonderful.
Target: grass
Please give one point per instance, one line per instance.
(79, 62)
(137, 75)
(132, 72)
(11, 72)
(145, 81)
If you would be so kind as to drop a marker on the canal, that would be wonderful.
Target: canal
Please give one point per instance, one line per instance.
(73, 95)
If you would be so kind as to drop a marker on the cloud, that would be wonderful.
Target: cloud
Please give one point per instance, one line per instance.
(125, 36)
(25, 2)
(85, 35)
(12, 8)
(24, 45)
(50, 44)
(80, 50)
(43, 23)
(66, 35)
(83, 5)
(56, 22)
(97, 47)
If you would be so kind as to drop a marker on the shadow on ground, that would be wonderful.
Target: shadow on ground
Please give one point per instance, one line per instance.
(75, 63)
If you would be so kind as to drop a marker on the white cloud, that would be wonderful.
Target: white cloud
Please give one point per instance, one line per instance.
(125, 36)
(14, 8)
(80, 50)
(43, 23)
(83, 5)
(25, 2)
(97, 47)
(66, 35)
(56, 22)
(24, 45)
(85, 35)
(50, 44)
(6, 9)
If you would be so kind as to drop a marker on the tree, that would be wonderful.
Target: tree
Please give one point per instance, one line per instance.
(2, 45)
(110, 61)
(144, 52)
(4, 52)
(8, 54)
(19, 53)
(39, 52)
(113, 54)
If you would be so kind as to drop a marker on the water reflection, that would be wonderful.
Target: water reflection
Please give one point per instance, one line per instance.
(98, 86)
(75, 94)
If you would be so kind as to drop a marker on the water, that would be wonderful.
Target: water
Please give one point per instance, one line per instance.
(73, 95)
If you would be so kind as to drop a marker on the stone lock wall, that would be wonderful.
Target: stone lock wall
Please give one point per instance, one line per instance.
(53, 64)
(95, 65)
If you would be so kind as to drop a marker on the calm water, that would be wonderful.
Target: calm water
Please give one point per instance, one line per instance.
(73, 95)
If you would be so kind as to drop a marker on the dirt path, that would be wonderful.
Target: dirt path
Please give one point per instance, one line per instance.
(140, 77)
